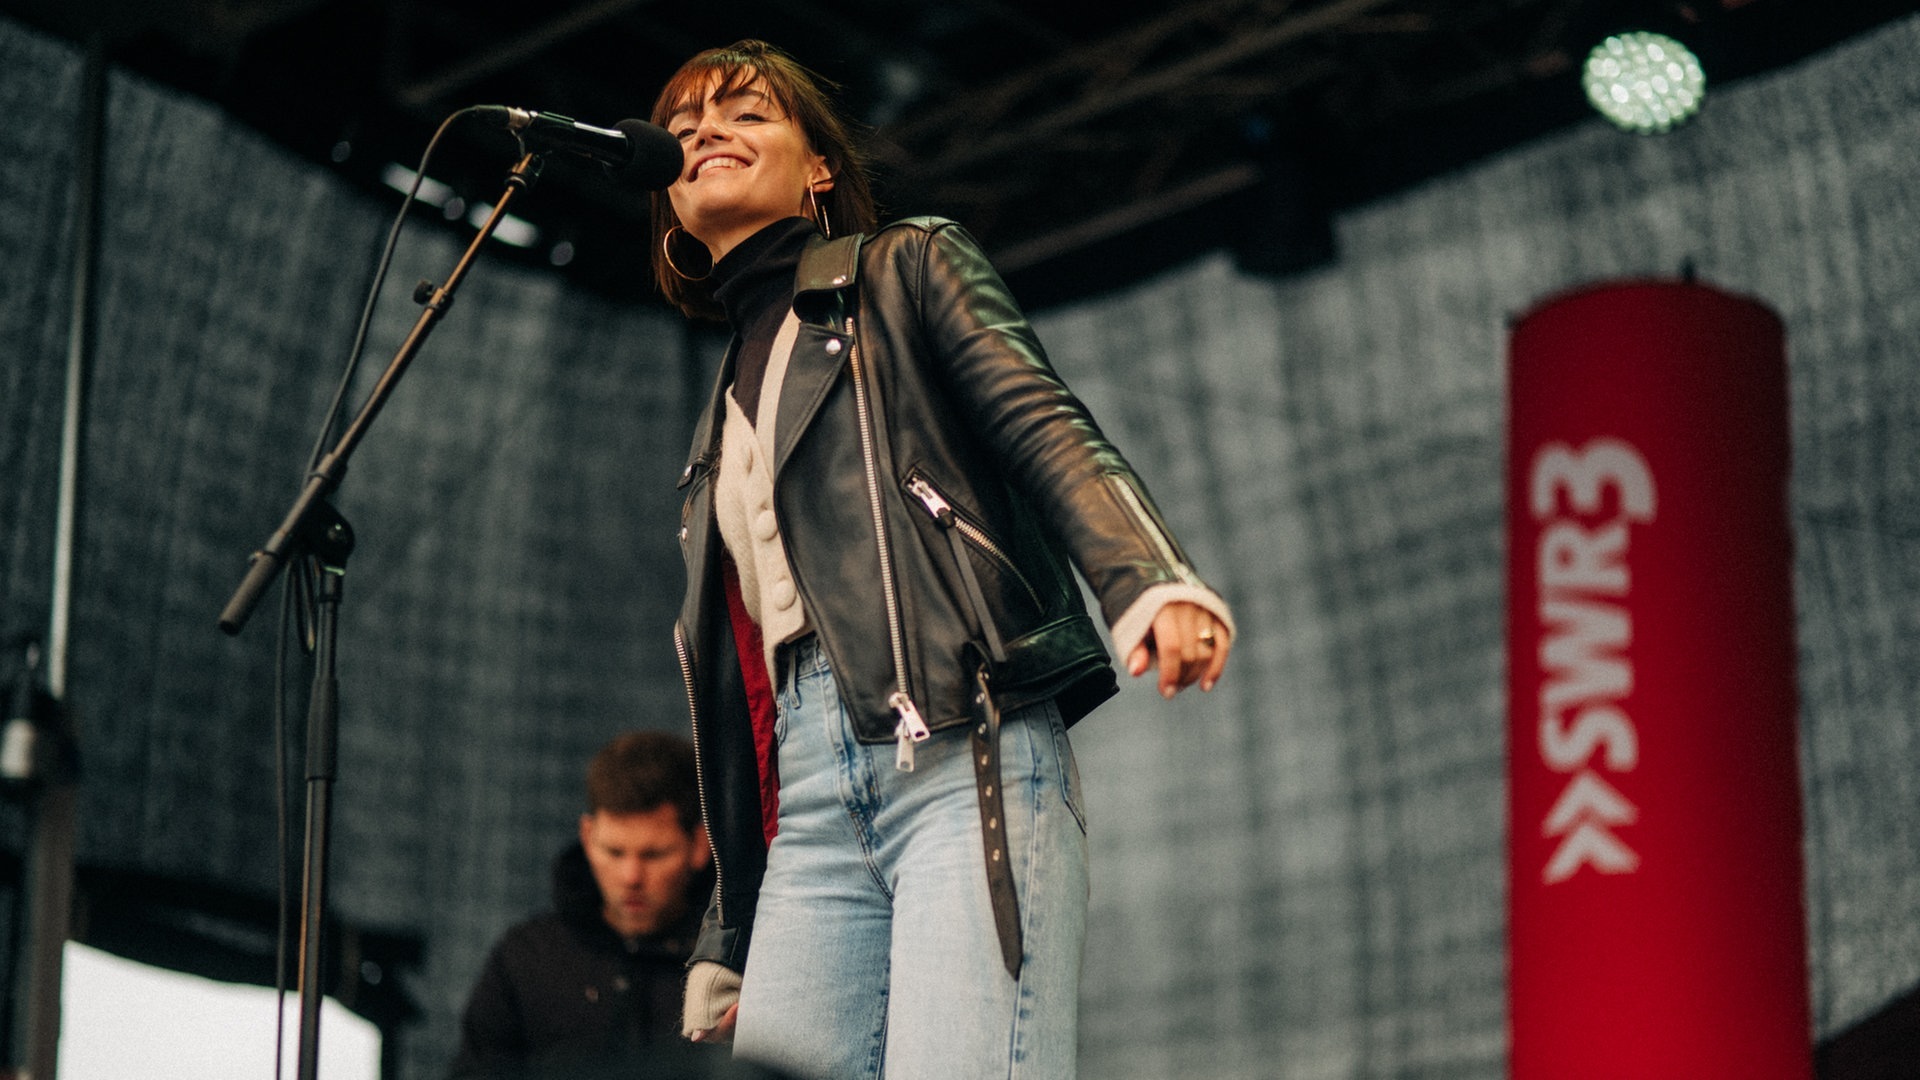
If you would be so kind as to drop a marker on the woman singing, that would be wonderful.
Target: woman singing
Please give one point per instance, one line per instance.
(882, 638)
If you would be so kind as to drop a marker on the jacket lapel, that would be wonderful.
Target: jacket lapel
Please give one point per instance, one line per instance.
(706, 432)
(829, 270)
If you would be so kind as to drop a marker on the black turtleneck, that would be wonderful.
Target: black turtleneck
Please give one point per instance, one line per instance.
(754, 284)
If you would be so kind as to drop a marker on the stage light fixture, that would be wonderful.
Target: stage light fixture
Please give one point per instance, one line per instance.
(1644, 82)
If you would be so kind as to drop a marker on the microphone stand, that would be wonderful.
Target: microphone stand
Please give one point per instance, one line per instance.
(330, 544)
(313, 529)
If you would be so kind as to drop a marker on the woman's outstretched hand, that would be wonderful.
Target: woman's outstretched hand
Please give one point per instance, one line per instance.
(1188, 643)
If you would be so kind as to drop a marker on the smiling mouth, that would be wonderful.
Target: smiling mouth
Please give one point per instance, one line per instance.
(715, 163)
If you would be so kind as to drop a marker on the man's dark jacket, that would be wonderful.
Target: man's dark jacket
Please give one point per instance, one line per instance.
(563, 995)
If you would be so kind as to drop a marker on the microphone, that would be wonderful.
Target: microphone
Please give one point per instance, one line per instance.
(645, 152)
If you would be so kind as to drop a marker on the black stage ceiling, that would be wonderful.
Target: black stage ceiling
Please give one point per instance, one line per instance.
(1088, 144)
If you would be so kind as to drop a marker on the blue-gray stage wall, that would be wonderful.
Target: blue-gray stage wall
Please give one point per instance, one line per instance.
(1300, 874)
(1304, 877)
(511, 600)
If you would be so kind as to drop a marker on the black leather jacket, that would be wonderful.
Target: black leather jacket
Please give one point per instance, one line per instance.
(917, 400)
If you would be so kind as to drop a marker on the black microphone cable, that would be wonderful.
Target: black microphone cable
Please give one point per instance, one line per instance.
(296, 599)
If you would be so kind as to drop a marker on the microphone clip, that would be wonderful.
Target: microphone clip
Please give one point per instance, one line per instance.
(35, 747)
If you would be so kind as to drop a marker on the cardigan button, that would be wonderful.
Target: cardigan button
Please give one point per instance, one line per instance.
(783, 594)
(765, 526)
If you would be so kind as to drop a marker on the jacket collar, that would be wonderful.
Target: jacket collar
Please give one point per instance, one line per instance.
(575, 895)
(827, 265)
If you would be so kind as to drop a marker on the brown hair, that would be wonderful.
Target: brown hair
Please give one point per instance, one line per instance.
(642, 770)
(803, 96)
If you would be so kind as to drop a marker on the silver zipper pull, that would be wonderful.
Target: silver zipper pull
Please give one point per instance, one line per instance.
(903, 750)
(909, 728)
(941, 510)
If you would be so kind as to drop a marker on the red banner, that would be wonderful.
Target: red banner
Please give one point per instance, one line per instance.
(1656, 896)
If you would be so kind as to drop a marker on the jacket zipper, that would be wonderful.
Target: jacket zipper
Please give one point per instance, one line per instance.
(699, 774)
(909, 727)
(949, 518)
(1174, 562)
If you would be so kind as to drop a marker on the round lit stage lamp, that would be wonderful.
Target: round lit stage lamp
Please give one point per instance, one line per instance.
(1644, 82)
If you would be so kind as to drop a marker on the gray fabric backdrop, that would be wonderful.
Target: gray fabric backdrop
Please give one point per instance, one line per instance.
(1300, 875)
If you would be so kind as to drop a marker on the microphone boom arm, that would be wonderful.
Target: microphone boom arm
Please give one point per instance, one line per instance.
(295, 528)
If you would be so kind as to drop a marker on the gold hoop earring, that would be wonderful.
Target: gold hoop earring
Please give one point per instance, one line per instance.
(666, 252)
(819, 215)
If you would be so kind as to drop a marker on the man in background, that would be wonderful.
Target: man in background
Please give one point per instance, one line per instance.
(596, 982)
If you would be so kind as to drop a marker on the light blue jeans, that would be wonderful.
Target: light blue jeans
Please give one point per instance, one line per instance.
(873, 951)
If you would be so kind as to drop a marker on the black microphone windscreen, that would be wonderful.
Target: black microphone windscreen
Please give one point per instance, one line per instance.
(657, 159)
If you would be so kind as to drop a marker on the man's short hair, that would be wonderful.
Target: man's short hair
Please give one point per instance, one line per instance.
(642, 770)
